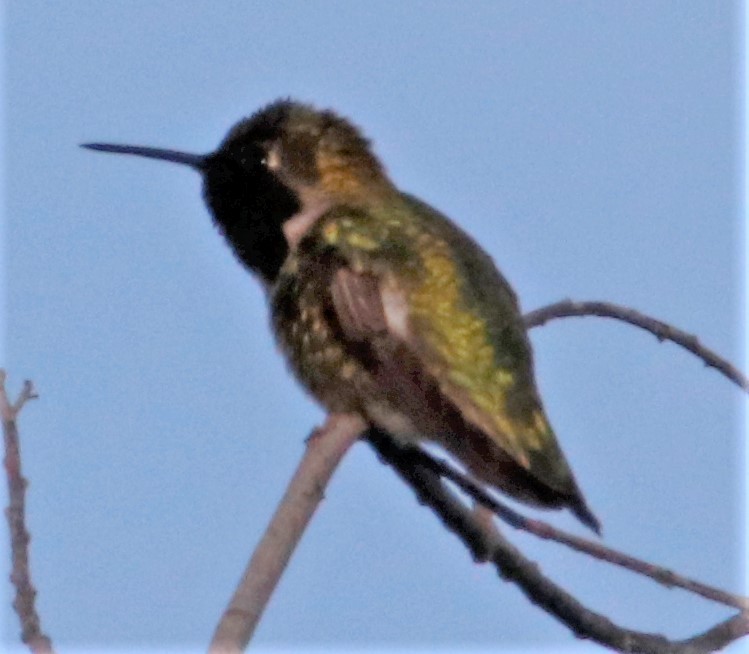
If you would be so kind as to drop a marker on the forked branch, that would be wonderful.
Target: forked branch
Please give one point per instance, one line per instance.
(545, 531)
(24, 602)
(423, 473)
(487, 544)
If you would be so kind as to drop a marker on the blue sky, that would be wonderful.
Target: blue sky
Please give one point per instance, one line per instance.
(593, 148)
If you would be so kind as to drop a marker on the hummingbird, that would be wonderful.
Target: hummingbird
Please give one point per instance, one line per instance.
(382, 305)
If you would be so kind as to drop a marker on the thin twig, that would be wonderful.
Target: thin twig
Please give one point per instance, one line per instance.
(488, 544)
(545, 531)
(661, 330)
(325, 448)
(24, 602)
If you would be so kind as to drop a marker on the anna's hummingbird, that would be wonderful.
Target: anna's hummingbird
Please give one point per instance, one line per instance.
(381, 304)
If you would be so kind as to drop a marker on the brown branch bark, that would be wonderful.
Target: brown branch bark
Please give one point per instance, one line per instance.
(545, 531)
(325, 449)
(424, 475)
(661, 330)
(487, 544)
(20, 577)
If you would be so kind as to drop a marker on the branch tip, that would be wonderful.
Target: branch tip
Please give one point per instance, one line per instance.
(661, 330)
(10, 410)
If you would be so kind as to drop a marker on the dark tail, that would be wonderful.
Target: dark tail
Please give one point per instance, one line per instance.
(585, 515)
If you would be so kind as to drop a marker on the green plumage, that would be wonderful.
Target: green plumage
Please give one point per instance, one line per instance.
(463, 318)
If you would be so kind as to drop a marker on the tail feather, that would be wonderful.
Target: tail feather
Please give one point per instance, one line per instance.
(493, 466)
(585, 515)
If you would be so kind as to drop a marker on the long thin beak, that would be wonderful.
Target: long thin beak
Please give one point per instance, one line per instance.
(196, 161)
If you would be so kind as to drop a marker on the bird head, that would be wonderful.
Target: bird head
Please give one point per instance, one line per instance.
(285, 161)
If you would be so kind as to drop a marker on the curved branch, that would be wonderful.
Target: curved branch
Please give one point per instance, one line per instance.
(661, 330)
(24, 602)
(424, 475)
(545, 531)
(488, 544)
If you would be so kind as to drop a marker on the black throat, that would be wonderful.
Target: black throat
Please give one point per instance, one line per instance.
(249, 206)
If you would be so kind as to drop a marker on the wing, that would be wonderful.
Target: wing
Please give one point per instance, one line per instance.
(450, 348)
(424, 378)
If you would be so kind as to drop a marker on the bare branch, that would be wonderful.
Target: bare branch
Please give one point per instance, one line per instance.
(661, 330)
(325, 449)
(545, 531)
(24, 602)
(423, 473)
(488, 544)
